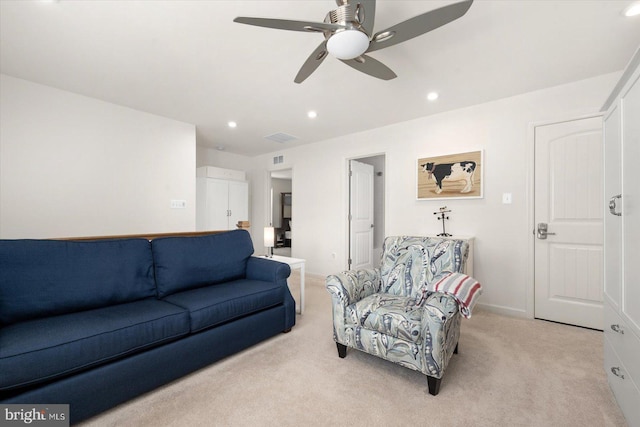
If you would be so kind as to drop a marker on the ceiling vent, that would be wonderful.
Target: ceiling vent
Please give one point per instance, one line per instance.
(280, 137)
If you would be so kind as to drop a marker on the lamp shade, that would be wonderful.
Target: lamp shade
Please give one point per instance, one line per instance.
(348, 44)
(269, 237)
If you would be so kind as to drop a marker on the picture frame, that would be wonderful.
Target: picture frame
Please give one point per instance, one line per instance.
(451, 176)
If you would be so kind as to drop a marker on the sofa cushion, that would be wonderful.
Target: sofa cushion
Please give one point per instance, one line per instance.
(183, 263)
(388, 314)
(49, 277)
(213, 305)
(39, 350)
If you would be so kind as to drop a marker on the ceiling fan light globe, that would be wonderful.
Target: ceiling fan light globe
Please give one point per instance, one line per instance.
(348, 44)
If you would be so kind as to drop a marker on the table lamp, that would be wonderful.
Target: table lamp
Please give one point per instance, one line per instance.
(269, 240)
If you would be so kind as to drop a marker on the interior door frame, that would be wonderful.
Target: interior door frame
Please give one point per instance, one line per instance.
(347, 200)
(531, 141)
(268, 203)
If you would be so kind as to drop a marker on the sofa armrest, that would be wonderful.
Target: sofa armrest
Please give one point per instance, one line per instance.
(353, 285)
(442, 321)
(267, 269)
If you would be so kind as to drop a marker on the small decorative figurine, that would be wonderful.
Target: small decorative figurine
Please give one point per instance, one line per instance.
(442, 216)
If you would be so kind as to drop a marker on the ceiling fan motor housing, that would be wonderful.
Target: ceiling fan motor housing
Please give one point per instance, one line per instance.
(350, 42)
(348, 15)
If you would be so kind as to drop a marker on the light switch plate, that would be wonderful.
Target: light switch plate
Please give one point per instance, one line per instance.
(506, 198)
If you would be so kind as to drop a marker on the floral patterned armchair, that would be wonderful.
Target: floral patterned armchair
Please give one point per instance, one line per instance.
(392, 312)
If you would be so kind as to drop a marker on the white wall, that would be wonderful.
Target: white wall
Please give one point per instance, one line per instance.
(76, 166)
(206, 156)
(503, 129)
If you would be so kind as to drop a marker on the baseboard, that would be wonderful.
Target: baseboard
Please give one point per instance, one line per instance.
(505, 311)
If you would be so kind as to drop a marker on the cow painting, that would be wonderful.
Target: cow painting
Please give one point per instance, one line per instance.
(460, 171)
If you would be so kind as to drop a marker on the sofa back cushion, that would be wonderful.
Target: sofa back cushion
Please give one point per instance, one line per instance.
(47, 277)
(410, 263)
(183, 263)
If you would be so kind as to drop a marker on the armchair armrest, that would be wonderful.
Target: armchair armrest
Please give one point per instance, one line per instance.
(353, 285)
(345, 289)
(442, 321)
(440, 306)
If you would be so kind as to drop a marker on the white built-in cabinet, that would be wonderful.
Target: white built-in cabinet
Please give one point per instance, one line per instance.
(622, 242)
(222, 198)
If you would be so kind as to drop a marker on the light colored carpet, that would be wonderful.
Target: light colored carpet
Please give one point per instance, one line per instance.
(509, 372)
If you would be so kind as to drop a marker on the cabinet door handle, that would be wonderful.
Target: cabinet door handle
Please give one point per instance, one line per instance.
(612, 205)
(617, 328)
(616, 371)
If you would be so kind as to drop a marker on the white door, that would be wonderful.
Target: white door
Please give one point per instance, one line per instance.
(217, 216)
(360, 215)
(568, 201)
(238, 203)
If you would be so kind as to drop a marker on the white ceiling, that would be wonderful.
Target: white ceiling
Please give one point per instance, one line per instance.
(189, 61)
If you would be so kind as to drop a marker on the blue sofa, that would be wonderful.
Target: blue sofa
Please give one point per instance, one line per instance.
(95, 323)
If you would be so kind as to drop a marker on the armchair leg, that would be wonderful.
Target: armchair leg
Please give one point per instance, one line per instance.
(342, 350)
(455, 351)
(434, 385)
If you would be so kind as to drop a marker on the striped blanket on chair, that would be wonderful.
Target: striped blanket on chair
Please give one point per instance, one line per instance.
(465, 289)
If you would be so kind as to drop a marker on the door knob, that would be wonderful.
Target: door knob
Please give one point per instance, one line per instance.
(612, 205)
(542, 232)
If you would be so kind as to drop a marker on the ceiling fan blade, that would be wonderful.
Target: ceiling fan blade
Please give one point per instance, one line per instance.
(373, 67)
(418, 25)
(369, 7)
(285, 24)
(313, 61)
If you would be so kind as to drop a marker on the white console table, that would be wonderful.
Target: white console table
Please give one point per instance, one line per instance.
(294, 263)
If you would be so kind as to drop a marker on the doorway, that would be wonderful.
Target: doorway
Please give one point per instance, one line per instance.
(281, 203)
(366, 215)
(568, 211)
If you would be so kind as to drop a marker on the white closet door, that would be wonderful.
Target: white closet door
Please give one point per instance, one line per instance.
(631, 206)
(612, 221)
(217, 211)
(238, 203)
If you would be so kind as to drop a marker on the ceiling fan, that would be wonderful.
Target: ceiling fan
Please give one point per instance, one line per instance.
(348, 33)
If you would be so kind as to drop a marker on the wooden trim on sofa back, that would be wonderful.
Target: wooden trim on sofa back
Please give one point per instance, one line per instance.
(150, 236)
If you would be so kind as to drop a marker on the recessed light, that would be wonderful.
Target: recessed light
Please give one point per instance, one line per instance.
(432, 96)
(232, 124)
(312, 114)
(632, 10)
